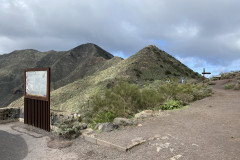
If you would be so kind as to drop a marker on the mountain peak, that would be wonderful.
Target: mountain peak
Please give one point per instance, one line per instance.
(150, 51)
(86, 45)
(25, 51)
(91, 49)
(153, 48)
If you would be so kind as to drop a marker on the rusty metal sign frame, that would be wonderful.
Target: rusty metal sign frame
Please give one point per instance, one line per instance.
(37, 108)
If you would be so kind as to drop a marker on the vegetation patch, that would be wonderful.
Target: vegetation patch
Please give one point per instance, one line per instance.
(171, 104)
(70, 128)
(211, 83)
(125, 99)
(229, 86)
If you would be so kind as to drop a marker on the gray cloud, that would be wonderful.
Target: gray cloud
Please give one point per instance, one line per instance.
(208, 30)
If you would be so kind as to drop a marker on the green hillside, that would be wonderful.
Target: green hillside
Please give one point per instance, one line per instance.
(145, 66)
(66, 67)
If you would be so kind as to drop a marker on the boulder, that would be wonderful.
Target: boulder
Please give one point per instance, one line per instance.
(144, 114)
(106, 127)
(122, 121)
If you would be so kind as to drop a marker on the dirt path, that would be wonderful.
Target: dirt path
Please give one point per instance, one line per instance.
(209, 129)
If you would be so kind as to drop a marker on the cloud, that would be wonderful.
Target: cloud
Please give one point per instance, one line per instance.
(205, 30)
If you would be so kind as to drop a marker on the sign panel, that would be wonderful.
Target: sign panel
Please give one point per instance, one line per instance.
(36, 83)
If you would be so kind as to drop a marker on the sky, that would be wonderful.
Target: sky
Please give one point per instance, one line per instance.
(200, 33)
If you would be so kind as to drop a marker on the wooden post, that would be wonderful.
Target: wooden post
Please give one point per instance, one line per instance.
(204, 74)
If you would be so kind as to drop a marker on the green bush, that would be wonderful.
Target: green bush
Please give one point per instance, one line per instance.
(171, 104)
(184, 98)
(104, 116)
(200, 92)
(125, 99)
(169, 90)
(69, 128)
(229, 86)
(121, 100)
(167, 72)
(185, 93)
(150, 98)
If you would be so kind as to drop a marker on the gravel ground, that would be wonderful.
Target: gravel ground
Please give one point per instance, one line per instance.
(209, 129)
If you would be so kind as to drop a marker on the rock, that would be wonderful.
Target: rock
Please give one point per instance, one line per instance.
(156, 136)
(176, 157)
(123, 121)
(106, 127)
(87, 131)
(78, 117)
(139, 125)
(82, 126)
(71, 116)
(137, 140)
(144, 114)
(98, 126)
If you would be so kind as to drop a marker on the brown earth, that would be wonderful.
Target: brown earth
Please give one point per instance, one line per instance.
(209, 129)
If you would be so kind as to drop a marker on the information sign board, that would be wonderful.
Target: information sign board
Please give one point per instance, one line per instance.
(36, 83)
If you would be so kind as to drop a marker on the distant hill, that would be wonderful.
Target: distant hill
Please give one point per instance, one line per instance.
(66, 67)
(151, 63)
(145, 66)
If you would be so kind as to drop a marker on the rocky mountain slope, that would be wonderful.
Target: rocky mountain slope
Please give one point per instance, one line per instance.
(145, 66)
(66, 67)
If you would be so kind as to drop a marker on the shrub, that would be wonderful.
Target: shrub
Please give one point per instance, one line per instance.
(229, 86)
(69, 128)
(150, 98)
(193, 76)
(121, 100)
(138, 72)
(175, 74)
(125, 99)
(211, 83)
(200, 92)
(171, 104)
(167, 72)
(184, 98)
(169, 90)
(184, 92)
(104, 116)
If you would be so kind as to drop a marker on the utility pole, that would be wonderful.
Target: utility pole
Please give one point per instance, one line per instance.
(203, 73)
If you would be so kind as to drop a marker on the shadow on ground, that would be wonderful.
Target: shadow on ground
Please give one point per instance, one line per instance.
(12, 146)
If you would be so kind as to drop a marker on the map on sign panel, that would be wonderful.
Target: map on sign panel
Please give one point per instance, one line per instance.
(36, 83)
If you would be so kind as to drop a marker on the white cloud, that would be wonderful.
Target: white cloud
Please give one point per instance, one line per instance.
(186, 30)
(206, 30)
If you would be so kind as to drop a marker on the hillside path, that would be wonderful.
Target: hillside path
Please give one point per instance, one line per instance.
(208, 130)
